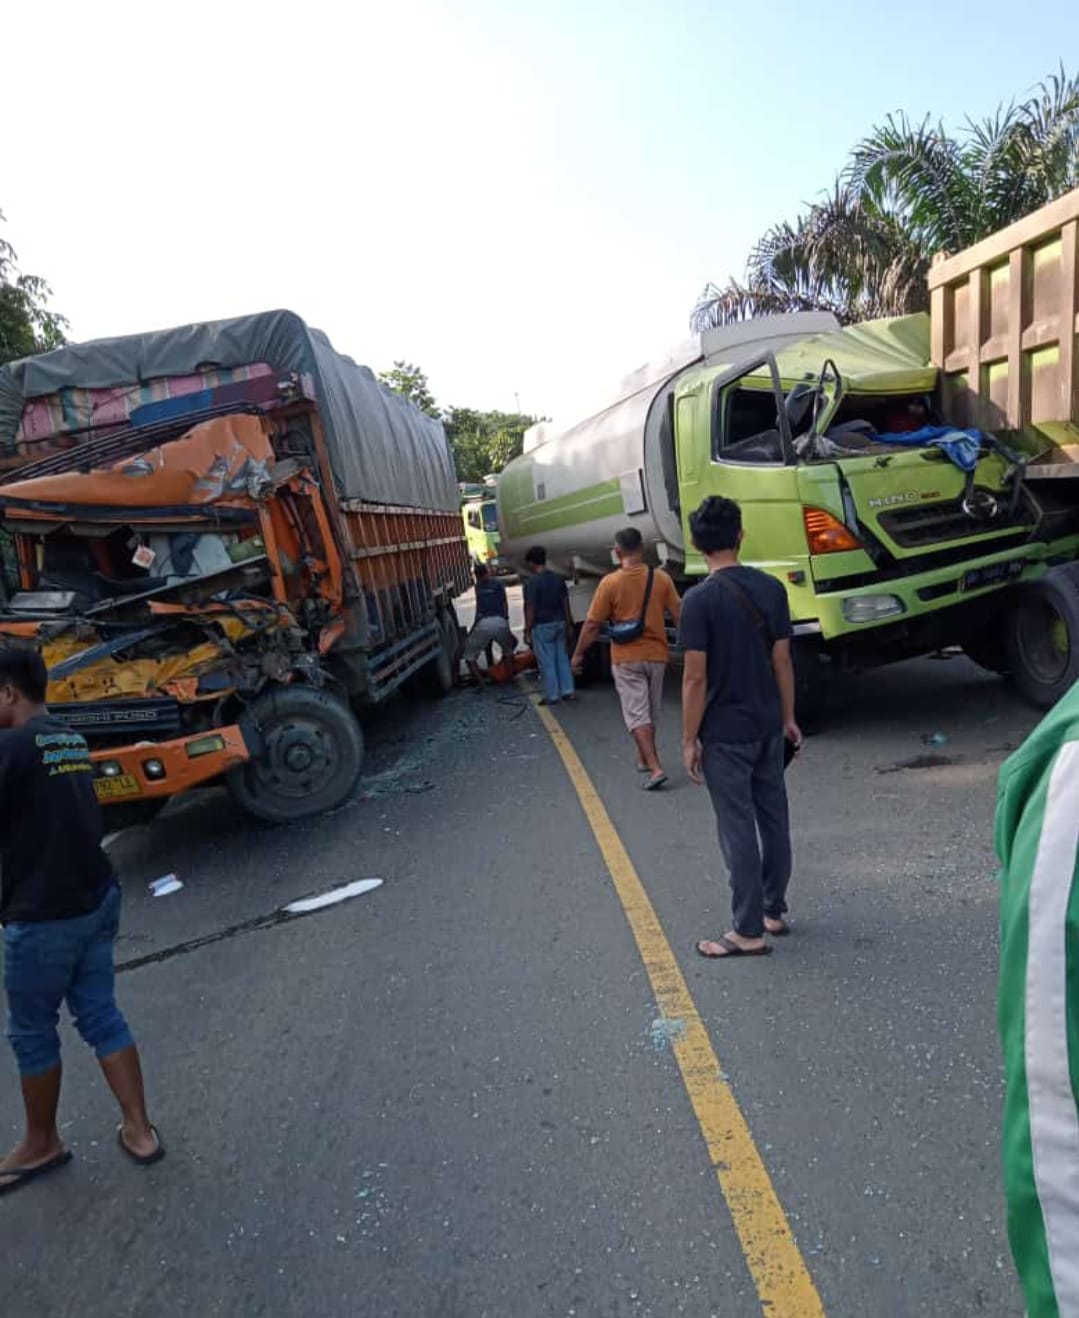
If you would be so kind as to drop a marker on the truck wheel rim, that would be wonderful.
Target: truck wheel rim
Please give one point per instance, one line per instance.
(299, 759)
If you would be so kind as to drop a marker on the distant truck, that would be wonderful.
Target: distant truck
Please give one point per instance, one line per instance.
(888, 544)
(480, 517)
(225, 538)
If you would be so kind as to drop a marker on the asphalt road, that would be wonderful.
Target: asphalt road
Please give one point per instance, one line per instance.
(447, 1097)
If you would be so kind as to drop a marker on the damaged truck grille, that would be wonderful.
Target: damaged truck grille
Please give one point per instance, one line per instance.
(127, 720)
(934, 523)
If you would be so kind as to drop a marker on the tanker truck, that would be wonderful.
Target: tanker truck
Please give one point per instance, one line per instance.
(912, 482)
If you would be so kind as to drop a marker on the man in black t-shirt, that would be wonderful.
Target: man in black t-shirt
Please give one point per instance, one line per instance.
(549, 627)
(737, 712)
(60, 908)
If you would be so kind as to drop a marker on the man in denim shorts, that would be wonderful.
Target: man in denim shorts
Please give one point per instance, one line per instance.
(60, 908)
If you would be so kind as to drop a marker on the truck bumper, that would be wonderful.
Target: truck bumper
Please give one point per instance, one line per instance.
(895, 599)
(154, 770)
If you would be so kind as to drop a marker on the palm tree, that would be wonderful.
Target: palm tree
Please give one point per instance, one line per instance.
(909, 190)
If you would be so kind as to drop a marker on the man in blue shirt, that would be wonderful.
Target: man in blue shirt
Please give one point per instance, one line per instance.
(548, 627)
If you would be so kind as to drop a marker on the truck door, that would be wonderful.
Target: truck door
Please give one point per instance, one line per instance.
(734, 440)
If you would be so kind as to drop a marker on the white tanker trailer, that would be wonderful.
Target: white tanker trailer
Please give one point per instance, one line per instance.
(571, 490)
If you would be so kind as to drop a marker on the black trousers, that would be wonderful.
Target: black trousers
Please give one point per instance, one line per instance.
(749, 796)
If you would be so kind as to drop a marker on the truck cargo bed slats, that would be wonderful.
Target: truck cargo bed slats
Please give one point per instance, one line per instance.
(404, 558)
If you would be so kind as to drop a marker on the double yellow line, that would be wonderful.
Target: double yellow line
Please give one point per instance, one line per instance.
(783, 1283)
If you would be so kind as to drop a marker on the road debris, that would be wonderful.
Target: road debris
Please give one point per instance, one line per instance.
(918, 762)
(303, 905)
(168, 883)
(666, 1030)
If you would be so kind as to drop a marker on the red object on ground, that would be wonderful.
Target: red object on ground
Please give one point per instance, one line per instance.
(507, 669)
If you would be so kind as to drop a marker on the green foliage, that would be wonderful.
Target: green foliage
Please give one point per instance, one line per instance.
(410, 382)
(27, 326)
(909, 190)
(482, 442)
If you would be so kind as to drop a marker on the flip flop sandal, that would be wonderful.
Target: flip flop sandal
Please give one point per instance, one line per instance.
(732, 949)
(643, 768)
(143, 1159)
(778, 933)
(654, 784)
(21, 1176)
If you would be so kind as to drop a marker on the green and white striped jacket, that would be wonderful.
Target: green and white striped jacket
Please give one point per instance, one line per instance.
(1037, 840)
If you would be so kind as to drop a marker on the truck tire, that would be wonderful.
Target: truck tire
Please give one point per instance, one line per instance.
(813, 682)
(311, 756)
(1043, 638)
(439, 677)
(597, 662)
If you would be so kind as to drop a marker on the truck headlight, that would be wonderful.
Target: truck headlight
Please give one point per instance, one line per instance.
(154, 770)
(872, 608)
(109, 769)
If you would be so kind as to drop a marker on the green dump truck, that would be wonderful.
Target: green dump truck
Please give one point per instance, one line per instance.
(911, 482)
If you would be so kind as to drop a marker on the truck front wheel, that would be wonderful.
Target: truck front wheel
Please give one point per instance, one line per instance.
(310, 758)
(1043, 638)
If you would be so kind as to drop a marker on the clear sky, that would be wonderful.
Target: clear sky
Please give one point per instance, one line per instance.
(524, 199)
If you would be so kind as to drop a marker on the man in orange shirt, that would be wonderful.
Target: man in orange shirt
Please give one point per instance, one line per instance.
(641, 595)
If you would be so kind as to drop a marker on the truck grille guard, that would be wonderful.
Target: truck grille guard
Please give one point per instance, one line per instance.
(110, 721)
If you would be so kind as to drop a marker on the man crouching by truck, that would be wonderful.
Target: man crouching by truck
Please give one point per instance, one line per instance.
(60, 908)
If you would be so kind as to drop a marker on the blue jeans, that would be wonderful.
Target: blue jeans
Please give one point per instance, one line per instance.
(549, 643)
(48, 961)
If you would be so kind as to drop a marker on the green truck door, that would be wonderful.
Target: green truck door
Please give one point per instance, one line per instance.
(733, 439)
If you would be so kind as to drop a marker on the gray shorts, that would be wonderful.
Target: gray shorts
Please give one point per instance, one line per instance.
(486, 631)
(640, 689)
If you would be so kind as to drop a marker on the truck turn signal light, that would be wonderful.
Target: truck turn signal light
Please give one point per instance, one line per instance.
(827, 534)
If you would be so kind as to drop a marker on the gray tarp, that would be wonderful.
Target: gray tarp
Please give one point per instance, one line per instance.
(381, 447)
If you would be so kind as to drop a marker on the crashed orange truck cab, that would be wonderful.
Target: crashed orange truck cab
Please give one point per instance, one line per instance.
(224, 539)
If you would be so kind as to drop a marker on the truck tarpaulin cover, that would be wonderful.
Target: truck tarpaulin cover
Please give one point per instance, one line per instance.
(382, 449)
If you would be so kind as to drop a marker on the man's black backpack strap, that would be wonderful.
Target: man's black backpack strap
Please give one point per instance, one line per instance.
(760, 622)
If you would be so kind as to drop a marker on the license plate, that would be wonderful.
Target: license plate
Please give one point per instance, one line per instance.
(993, 574)
(124, 784)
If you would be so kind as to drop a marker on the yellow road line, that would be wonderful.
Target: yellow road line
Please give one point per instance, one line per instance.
(779, 1273)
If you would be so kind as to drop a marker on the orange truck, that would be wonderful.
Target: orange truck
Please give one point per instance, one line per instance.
(225, 539)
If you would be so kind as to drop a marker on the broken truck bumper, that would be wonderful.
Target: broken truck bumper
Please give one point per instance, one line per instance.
(153, 770)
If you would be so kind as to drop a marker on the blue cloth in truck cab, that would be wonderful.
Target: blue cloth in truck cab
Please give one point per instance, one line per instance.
(961, 446)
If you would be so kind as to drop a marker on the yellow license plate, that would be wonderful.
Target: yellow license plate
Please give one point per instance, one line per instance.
(124, 784)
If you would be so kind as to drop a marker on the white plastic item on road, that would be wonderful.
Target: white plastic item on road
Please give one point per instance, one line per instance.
(163, 886)
(304, 905)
